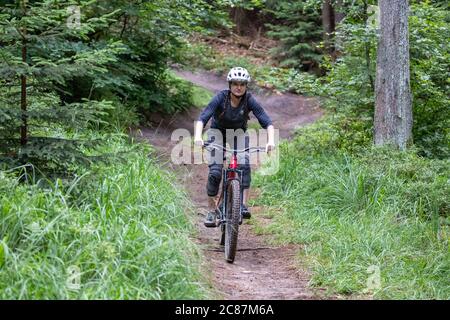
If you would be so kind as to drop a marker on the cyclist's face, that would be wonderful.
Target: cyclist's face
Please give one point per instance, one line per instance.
(238, 88)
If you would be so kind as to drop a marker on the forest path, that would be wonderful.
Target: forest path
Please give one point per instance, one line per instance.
(260, 271)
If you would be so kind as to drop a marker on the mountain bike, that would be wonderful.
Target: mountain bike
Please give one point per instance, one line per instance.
(229, 208)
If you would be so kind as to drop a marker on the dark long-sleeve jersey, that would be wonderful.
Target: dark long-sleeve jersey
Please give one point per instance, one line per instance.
(233, 118)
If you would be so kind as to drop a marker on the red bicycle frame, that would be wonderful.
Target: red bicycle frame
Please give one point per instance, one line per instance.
(233, 165)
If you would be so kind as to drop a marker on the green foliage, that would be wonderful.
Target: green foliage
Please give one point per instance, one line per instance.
(199, 56)
(430, 65)
(55, 52)
(299, 30)
(103, 70)
(87, 199)
(351, 211)
(123, 227)
(223, 64)
(337, 133)
(248, 5)
(201, 97)
(353, 206)
(154, 35)
(348, 85)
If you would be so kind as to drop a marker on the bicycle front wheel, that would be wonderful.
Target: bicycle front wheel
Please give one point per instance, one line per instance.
(232, 219)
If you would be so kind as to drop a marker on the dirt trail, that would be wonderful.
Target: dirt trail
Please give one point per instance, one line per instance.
(260, 271)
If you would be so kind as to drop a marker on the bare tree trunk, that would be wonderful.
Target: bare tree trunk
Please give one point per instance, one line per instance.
(393, 101)
(328, 24)
(239, 18)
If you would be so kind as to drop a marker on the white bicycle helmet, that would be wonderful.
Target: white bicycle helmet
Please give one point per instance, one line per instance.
(238, 74)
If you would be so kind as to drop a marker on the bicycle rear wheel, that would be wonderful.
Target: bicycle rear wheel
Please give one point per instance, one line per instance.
(232, 219)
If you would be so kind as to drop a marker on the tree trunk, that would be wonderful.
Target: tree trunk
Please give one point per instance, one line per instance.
(247, 22)
(393, 101)
(239, 18)
(328, 24)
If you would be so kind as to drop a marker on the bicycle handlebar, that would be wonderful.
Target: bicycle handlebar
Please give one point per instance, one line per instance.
(218, 146)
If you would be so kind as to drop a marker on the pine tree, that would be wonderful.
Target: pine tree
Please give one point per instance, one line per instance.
(45, 44)
(299, 29)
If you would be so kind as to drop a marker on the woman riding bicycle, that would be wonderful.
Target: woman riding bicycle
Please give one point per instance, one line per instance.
(230, 109)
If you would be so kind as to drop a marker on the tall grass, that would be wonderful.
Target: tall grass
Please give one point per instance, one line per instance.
(354, 213)
(118, 231)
